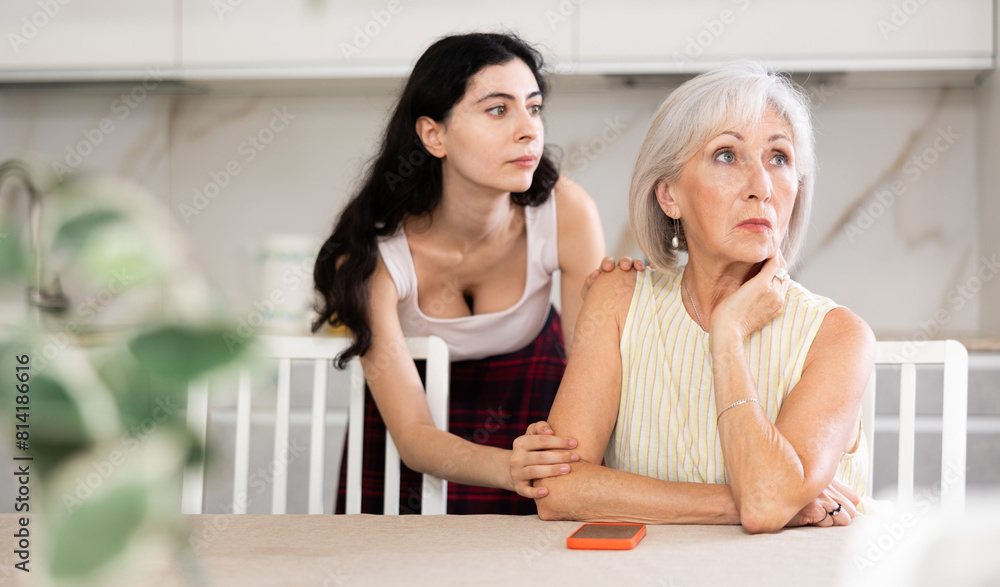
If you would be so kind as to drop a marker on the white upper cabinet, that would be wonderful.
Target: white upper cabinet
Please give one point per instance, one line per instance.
(375, 36)
(66, 40)
(119, 37)
(805, 35)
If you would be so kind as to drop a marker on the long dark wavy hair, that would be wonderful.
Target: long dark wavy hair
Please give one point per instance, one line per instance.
(404, 179)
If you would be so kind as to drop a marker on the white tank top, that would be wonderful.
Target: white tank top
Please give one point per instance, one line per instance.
(495, 333)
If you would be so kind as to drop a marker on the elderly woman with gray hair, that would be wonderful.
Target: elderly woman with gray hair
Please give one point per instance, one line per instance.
(720, 391)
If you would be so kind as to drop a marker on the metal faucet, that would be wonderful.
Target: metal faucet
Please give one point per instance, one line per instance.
(51, 299)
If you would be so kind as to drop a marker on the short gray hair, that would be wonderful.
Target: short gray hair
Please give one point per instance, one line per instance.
(701, 108)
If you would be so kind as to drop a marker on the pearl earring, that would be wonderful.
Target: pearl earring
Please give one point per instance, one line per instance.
(675, 242)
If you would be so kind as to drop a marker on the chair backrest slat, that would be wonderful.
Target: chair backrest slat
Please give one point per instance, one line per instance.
(954, 416)
(907, 432)
(435, 490)
(241, 463)
(390, 495)
(193, 491)
(355, 438)
(317, 452)
(279, 482)
(955, 420)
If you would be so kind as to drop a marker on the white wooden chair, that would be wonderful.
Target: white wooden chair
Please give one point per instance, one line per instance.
(321, 351)
(955, 359)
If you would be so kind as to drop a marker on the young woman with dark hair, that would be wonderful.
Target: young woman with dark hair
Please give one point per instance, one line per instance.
(460, 222)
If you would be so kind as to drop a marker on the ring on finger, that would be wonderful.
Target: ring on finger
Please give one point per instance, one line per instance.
(827, 515)
(782, 275)
(836, 511)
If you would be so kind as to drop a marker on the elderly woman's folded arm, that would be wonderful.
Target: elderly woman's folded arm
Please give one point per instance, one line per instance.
(594, 493)
(586, 408)
(774, 470)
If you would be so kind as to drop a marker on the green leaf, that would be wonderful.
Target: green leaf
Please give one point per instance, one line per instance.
(143, 399)
(197, 453)
(97, 531)
(59, 415)
(79, 229)
(13, 257)
(57, 427)
(182, 353)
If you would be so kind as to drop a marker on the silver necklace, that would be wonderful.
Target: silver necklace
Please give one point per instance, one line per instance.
(693, 307)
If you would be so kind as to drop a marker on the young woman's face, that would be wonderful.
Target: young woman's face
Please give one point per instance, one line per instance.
(493, 137)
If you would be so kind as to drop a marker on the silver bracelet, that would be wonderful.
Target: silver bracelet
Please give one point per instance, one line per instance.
(736, 403)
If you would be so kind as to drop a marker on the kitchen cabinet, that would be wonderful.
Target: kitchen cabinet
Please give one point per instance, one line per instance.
(636, 36)
(267, 40)
(366, 37)
(53, 40)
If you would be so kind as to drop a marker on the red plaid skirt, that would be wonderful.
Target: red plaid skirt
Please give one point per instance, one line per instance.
(511, 390)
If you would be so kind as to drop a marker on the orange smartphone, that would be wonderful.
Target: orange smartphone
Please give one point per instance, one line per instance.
(606, 536)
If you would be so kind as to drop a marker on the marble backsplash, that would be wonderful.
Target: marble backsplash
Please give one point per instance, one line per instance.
(894, 227)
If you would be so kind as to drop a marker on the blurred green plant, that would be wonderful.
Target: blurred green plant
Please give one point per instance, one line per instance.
(106, 428)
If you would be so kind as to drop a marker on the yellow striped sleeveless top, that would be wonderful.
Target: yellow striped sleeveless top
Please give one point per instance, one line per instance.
(666, 425)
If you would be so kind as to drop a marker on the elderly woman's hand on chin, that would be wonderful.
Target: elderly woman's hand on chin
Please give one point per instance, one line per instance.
(757, 302)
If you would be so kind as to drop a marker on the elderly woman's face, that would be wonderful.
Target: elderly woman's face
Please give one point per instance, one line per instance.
(735, 196)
